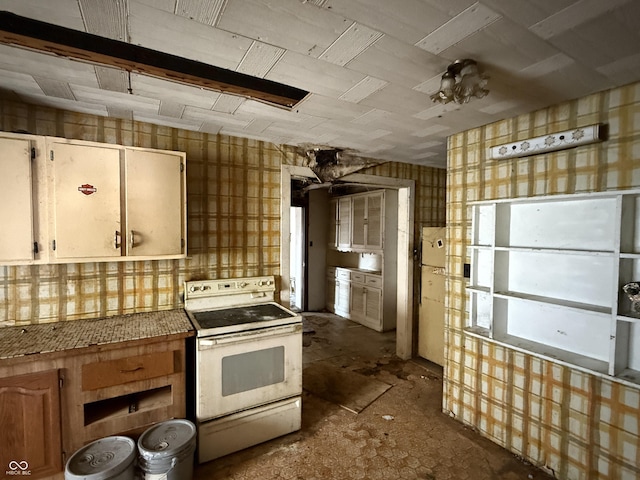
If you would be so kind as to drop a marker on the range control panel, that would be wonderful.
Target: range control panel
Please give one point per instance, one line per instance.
(230, 286)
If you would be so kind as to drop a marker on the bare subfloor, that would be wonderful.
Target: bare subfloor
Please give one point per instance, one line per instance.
(403, 434)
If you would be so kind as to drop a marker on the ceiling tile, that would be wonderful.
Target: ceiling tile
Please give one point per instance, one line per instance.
(119, 112)
(65, 13)
(213, 118)
(257, 125)
(326, 107)
(21, 81)
(288, 24)
(394, 98)
(170, 109)
(65, 104)
(405, 20)
(459, 27)
(107, 19)
(547, 66)
(116, 100)
(227, 103)
(363, 89)
(203, 12)
(166, 5)
(572, 16)
(159, 30)
(394, 61)
(259, 59)
(47, 66)
(112, 79)
(55, 88)
(350, 44)
(172, 91)
(313, 75)
(168, 121)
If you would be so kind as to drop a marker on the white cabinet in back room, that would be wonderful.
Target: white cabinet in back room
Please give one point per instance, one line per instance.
(111, 202)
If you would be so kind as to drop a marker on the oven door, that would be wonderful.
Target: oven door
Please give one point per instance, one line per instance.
(243, 370)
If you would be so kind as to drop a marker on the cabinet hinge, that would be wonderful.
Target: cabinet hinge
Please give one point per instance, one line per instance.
(53, 245)
(181, 167)
(182, 242)
(61, 382)
(33, 153)
(35, 248)
(64, 458)
(51, 155)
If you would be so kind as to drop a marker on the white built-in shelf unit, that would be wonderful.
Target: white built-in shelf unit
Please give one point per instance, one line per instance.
(547, 276)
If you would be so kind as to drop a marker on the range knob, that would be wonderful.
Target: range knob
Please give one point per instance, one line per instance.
(192, 289)
(243, 284)
(262, 283)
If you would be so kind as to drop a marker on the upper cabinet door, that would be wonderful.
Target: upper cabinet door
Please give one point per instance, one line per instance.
(86, 201)
(154, 202)
(375, 220)
(16, 211)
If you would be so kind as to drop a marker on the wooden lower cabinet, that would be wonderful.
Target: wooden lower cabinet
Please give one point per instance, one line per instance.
(53, 404)
(30, 437)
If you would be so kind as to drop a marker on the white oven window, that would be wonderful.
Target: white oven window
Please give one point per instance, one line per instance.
(247, 371)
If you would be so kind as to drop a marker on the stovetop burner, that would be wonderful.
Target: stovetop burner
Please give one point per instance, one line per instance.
(240, 315)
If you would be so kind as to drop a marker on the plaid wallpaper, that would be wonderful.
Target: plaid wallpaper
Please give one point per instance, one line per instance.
(233, 203)
(578, 425)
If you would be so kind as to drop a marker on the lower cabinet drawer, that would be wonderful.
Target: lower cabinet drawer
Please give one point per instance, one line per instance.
(374, 281)
(130, 369)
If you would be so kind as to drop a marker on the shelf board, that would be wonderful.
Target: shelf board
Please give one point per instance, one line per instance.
(478, 289)
(632, 256)
(558, 251)
(481, 247)
(629, 375)
(571, 359)
(554, 301)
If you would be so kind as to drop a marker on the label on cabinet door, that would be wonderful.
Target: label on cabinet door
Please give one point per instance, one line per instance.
(87, 189)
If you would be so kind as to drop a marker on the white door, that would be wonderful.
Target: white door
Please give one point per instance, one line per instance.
(86, 201)
(16, 213)
(154, 203)
(431, 326)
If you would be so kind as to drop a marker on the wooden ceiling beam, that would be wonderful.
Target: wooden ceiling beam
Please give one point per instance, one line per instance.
(86, 47)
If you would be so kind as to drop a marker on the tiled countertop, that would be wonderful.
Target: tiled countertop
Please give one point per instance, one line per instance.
(61, 336)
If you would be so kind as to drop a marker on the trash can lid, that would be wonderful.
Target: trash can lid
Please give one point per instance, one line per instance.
(167, 439)
(102, 459)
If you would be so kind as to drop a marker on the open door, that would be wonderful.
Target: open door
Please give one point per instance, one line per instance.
(432, 292)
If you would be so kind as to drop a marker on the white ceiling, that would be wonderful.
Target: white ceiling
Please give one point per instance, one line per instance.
(369, 65)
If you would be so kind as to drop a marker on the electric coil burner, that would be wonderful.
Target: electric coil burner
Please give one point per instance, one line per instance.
(248, 364)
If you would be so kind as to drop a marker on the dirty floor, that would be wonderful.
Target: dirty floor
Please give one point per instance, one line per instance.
(402, 434)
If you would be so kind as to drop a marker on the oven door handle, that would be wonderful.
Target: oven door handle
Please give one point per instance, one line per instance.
(249, 336)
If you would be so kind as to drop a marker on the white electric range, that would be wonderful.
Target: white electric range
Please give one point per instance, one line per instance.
(248, 364)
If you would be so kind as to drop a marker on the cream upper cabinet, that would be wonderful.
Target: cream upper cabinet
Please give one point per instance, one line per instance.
(154, 202)
(86, 201)
(111, 202)
(69, 201)
(16, 208)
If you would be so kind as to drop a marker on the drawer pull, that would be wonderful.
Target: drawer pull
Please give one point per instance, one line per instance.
(132, 370)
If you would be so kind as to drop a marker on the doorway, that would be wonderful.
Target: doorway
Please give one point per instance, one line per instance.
(405, 215)
(297, 260)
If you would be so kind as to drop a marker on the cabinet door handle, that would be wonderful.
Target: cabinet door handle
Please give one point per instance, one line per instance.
(116, 243)
(132, 369)
(131, 239)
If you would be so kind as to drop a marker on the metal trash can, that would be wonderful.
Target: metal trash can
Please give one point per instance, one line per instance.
(166, 451)
(110, 458)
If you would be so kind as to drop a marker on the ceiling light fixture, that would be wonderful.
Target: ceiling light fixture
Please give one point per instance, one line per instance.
(460, 82)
